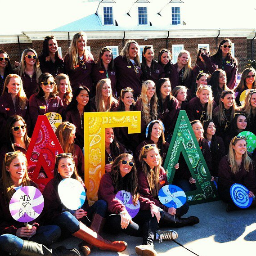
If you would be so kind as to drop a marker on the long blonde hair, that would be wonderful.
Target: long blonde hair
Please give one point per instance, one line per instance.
(125, 52)
(68, 95)
(188, 65)
(9, 187)
(151, 174)
(21, 94)
(99, 101)
(247, 107)
(210, 101)
(246, 160)
(22, 67)
(149, 108)
(63, 134)
(73, 51)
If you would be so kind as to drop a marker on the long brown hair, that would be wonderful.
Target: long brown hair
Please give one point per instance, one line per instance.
(132, 180)
(151, 174)
(8, 185)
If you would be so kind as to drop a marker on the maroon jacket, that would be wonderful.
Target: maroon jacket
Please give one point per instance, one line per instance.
(53, 68)
(8, 109)
(127, 75)
(99, 73)
(38, 106)
(52, 203)
(229, 65)
(168, 113)
(79, 75)
(196, 111)
(227, 178)
(145, 191)
(29, 84)
(171, 72)
(7, 224)
(207, 66)
(107, 192)
(154, 72)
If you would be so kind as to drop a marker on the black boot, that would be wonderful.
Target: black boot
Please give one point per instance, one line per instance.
(177, 222)
(34, 249)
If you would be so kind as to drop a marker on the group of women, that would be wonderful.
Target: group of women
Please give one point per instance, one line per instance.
(217, 108)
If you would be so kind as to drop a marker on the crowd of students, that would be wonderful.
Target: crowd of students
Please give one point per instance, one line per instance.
(216, 106)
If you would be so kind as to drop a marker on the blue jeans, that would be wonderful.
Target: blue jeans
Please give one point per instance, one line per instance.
(44, 235)
(69, 224)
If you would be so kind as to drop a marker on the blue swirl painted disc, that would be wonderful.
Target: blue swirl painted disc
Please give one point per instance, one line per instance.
(172, 196)
(71, 193)
(240, 195)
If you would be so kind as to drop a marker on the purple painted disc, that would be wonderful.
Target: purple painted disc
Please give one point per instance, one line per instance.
(126, 199)
(26, 204)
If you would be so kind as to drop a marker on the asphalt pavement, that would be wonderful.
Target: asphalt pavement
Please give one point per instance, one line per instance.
(219, 233)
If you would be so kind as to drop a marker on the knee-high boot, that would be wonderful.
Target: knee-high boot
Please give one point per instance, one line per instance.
(177, 222)
(96, 240)
(34, 249)
(97, 225)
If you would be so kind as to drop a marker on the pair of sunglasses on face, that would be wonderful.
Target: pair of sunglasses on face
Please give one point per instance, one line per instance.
(16, 128)
(4, 58)
(31, 56)
(126, 162)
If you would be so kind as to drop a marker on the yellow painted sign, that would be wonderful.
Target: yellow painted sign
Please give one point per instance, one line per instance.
(95, 124)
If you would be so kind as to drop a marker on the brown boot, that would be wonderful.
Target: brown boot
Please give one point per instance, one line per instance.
(145, 250)
(97, 223)
(96, 240)
(85, 248)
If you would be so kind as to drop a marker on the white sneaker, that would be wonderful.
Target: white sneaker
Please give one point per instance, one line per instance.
(145, 250)
(166, 235)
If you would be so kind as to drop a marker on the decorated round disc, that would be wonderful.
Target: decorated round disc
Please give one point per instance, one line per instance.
(243, 96)
(172, 196)
(55, 119)
(126, 199)
(240, 195)
(71, 193)
(250, 140)
(26, 204)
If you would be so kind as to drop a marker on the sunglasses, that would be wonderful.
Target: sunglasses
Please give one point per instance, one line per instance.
(126, 162)
(249, 76)
(16, 128)
(46, 83)
(238, 138)
(225, 46)
(9, 154)
(4, 58)
(150, 146)
(31, 56)
(64, 154)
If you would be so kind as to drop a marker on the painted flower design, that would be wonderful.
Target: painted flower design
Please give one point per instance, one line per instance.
(95, 156)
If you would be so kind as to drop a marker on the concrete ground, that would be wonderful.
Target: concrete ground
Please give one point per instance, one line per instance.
(219, 233)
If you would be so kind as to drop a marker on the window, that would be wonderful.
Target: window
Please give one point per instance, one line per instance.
(175, 52)
(143, 15)
(88, 48)
(206, 46)
(60, 51)
(108, 15)
(114, 51)
(175, 15)
(233, 49)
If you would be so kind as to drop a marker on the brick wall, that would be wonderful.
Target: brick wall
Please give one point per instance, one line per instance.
(242, 47)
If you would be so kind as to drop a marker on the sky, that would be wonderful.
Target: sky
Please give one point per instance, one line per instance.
(35, 15)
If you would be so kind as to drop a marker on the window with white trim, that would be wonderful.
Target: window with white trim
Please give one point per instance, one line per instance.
(176, 48)
(114, 50)
(175, 15)
(204, 46)
(60, 51)
(142, 15)
(108, 16)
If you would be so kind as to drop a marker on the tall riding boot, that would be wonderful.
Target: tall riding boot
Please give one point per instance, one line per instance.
(97, 225)
(34, 249)
(96, 240)
(177, 222)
